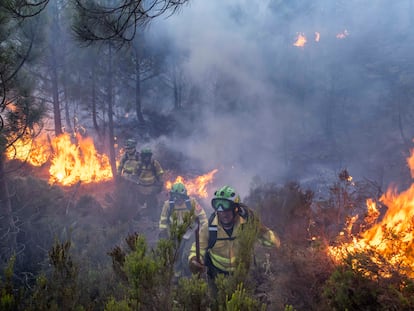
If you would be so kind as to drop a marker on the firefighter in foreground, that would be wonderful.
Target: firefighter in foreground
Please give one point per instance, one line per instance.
(149, 173)
(179, 204)
(217, 249)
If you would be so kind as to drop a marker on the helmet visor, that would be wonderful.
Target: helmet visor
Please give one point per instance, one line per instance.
(222, 205)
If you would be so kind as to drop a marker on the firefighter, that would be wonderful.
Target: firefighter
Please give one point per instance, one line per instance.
(149, 174)
(127, 185)
(129, 159)
(216, 245)
(180, 203)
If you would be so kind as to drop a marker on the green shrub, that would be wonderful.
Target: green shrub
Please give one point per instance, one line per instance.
(240, 300)
(365, 281)
(7, 298)
(191, 294)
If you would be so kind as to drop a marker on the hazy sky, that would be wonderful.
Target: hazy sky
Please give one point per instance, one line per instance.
(251, 43)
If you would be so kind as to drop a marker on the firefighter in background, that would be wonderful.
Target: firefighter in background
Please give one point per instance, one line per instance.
(127, 183)
(179, 204)
(216, 239)
(129, 159)
(149, 175)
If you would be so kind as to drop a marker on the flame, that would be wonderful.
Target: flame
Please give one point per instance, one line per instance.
(10, 106)
(34, 152)
(300, 40)
(392, 237)
(342, 35)
(73, 163)
(196, 186)
(317, 36)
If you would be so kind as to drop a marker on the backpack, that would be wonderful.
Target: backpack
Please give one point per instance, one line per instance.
(154, 170)
(212, 229)
(126, 157)
(171, 208)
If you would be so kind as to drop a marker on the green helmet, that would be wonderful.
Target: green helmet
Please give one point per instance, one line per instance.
(225, 198)
(130, 143)
(146, 151)
(178, 189)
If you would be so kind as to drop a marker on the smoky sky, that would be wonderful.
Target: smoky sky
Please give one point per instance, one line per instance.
(241, 55)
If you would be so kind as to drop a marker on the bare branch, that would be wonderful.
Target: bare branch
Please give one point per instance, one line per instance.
(23, 8)
(101, 23)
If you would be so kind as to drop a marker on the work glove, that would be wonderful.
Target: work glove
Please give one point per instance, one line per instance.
(196, 267)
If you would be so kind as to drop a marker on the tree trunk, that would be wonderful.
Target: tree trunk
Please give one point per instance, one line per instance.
(7, 225)
(56, 103)
(111, 114)
(68, 118)
(177, 92)
(56, 33)
(94, 110)
(138, 107)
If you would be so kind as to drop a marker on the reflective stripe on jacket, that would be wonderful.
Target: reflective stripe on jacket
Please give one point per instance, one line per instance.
(149, 174)
(180, 210)
(127, 164)
(223, 253)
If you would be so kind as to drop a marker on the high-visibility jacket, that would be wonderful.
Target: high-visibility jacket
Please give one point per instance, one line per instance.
(224, 251)
(150, 174)
(171, 207)
(128, 164)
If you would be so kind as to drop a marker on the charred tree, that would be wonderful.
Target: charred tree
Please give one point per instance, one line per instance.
(138, 106)
(96, 22)
(111, 112)
(7, 224)
(20, 112)
(55, 65)
(55, 99)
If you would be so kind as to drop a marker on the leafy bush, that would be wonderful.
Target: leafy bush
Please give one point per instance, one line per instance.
(365, 281)
(7, 295)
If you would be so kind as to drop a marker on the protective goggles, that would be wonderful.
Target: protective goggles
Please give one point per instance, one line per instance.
(221, 205)
(177, 196)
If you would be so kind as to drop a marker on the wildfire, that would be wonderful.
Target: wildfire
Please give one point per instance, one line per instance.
(392, 237)
(196, 186)
(73, 163)
(70, 162)
(34, 152)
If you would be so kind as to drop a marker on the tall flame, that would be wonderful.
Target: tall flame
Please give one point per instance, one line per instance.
(392, 237)
(196, 186)
(35, 152)
(73, 163)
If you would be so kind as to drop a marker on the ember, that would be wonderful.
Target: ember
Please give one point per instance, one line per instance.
(342, 35)
(300, 40)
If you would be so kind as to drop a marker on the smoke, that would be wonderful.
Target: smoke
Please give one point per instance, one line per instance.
(268, 106)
